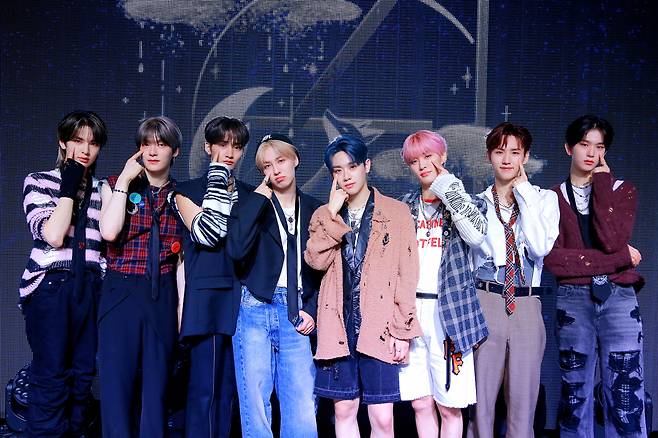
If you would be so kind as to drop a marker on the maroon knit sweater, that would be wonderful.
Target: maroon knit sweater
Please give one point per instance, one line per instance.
(614, 216)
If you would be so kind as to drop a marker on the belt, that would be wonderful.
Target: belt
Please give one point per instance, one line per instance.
(427, 296)
(519, 291)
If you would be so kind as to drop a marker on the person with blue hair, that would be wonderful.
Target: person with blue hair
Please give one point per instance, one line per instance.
(365, 243)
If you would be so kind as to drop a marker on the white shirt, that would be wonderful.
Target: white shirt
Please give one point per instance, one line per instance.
(429, 247)
(283, 277)
(535, 230)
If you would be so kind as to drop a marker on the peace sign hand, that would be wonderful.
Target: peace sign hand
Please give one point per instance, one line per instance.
(337, 198)
(264, 188)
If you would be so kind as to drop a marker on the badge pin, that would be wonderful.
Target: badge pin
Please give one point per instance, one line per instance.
(135, 198)
(175, 247)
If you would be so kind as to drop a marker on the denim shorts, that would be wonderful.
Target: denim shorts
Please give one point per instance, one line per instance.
(358, 375)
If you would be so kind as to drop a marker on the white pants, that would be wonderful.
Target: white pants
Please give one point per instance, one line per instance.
(426, 372)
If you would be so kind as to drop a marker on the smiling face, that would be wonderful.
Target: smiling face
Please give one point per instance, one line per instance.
(157, 155)
(587, 153)
(507, 159)
(279, 165)
(85, 148)
(350, 176)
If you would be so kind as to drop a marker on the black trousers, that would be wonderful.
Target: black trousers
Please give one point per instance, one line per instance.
(137, 335)
(61, 331)
(212, 390)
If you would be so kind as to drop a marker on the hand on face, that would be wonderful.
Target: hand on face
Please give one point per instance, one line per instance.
(438, 161)
(225, 152)
(337, 198)
(264, 189)
(133, 168)
(603, 166)
(521, 178)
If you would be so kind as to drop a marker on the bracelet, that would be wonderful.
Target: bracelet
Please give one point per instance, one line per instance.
(120, 191)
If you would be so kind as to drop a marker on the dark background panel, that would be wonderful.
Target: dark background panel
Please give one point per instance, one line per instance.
(311, 67)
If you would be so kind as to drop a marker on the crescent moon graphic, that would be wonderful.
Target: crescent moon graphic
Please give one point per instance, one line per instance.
(236, 105)
(375, 16)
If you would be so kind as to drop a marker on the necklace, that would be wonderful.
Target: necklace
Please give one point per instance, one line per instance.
(584, 186)
(427, 221)
(355, 216)
(290, 219)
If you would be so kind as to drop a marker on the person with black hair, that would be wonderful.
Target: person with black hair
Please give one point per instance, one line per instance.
(598, 318)
(60, 285)
(137, 318)
(212, 290)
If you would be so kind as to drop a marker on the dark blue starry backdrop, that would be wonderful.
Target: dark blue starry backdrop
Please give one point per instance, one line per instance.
(313, 69)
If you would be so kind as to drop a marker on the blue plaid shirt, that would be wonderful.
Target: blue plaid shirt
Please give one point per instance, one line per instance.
(458, 301)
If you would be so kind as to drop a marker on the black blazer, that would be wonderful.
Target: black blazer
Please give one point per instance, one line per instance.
(254, 243)
(212, 289)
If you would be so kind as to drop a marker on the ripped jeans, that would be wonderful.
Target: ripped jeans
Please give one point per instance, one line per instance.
(608, 335)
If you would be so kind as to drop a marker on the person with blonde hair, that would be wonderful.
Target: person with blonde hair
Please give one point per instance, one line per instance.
(271, 345)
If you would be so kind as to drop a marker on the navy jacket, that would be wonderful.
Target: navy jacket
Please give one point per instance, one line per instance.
(212, 289)
(254, 243)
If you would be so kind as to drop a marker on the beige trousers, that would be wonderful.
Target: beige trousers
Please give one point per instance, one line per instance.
(512, 356)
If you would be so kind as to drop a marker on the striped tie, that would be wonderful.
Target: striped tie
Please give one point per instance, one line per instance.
(511, 254)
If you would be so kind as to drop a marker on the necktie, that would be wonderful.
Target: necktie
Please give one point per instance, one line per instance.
(291, 260)
(601, 289)
(511, 254)
(80, 241)
(153, 266)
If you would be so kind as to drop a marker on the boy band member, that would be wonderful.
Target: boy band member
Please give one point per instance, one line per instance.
(61, 282)
(137, 314)
(277, 314)
(448, 222)
(598, 319)
(212, 291)
(522, 226)
(365, 242)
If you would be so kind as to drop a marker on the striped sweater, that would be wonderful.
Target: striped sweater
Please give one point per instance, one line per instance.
(40, 197)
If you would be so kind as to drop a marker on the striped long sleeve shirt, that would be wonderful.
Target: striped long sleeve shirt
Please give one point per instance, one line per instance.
(211, 224)
(40, 198)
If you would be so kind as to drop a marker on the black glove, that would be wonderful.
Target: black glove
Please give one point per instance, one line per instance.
(72, 174)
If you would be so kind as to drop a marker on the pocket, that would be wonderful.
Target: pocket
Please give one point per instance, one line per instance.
(626, 292)
(51, 284)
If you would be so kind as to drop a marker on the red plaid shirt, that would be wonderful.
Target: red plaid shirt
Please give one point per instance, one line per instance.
(128, 254)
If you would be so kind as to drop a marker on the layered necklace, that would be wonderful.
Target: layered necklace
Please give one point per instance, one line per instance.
(428, 221)
(355, 216)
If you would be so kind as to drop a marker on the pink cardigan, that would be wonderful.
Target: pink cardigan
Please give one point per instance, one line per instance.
(388, 280)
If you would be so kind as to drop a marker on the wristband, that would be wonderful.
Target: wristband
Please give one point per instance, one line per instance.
(119, 191)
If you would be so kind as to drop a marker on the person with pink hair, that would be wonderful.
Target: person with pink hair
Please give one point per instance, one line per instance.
(448, 223)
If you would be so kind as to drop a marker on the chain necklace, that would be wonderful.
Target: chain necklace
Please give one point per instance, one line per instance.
(290, 220)
(428, 221)
(355, 216)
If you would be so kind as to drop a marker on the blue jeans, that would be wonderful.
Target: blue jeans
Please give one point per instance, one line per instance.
(608, 335)
(270, 354)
